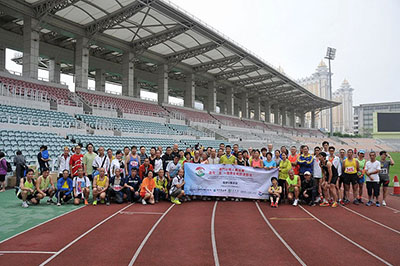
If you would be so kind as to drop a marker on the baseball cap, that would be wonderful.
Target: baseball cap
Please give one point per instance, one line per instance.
(307, 173)
(361, 151)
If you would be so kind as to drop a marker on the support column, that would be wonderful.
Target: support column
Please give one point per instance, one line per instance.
(267, 109)
(230, 101)
(128, 74)
(54, 70)
(212, 97)
(245, 105)
(302, 119)
(2, 58)
(136, 88)
(222, 107)
(100, 80)
(236, 110)
(292, 118)
(276, 114)
(312, 119)
(30, 59)
(190, 90)
(283, 113)
(162, 83)
(81, 63)
(257, 109)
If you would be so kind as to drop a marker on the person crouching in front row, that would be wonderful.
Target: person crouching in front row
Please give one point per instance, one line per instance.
(132, 186)
(274, 192)
(64, 188)
(147, 189)
(161, 190)
(100, 186)
(116, 188)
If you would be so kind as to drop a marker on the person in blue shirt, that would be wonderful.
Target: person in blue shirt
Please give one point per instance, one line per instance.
(64, 188)
(132, 186)
(306, 162)
(269, 163)
(116, 188)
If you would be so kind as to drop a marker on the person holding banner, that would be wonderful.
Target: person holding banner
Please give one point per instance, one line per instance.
(269, 163)
(274, 192)
(241, 160)
(257, 162)
(228, 158)
(176, 192)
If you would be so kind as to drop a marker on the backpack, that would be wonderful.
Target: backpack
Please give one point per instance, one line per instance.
(9, 168)
(45, 154)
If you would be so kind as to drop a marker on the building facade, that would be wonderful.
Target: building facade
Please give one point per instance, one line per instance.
(342, 115)
(363, 115)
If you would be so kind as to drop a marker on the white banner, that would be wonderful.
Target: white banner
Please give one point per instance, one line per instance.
(227, 180)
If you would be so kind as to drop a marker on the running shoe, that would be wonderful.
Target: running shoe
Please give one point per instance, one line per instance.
(86, 202)
(318, 199)
(172, 199)
(102, 201)
(177, 202)
(369, 203)
(50, 201)
(58, 203)
(272, 204)
(356, 202)
(324, 204)
(94, 202)
(144, 202)
(276, 205)
(334, 205)
(360, 200)
(24, 204)
(377, 204)
(108, 203)
(346, 201)
(295, 202)
(330, 201)
(383, 203)
(341, 202)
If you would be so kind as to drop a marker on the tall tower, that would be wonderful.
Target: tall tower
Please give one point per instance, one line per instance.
(343, 113)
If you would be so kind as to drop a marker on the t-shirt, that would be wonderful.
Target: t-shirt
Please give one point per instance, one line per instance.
(276, 189)
(115, 164)
(257, 163)
(176, 181)
(227, 160)
(88, 161)
(213, 160)
(361, 164)
(293, 159)
(79, 183)
(75, 162)
(306, 163)
(148, 183)
(98, 162)
(158, 164)
(272, 163)
(173, 169)
(284, 166)
(277, 160)
(134, 182)
(317, 172)
(384, 173)
(372, 167)
(117, 183)
(45, 183)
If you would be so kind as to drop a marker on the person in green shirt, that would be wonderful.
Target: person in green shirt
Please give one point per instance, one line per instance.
(27, 189)
(87, 161)
(161, 190)
(228, 158)
(284, 166)
(293, 187)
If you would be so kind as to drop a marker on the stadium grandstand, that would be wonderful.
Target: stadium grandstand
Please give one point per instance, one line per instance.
(144, 45)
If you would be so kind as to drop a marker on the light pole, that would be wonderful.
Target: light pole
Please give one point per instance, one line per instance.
(330, 55)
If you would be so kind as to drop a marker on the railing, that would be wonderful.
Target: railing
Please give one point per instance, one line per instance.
(24, 93)
(37, 121)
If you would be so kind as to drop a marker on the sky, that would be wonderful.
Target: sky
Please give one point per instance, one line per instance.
(294, 35)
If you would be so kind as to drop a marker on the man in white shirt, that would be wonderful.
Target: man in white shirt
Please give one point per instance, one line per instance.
(158, 162)
(176, 191)
(173, 168)
(81, 185)
(63, 162)
(317, 174)
(372, 169)
(101, 161)
(213, 159)
(117, 163)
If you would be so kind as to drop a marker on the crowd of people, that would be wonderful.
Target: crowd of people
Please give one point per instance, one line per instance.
(130, 175)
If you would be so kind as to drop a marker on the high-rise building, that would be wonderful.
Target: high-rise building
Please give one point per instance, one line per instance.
(342, 115)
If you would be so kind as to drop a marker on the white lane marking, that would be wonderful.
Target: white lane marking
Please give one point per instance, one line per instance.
(279, 236)
(345, 237)
(371, 220)
(387, 207)
(25, 252)
(135, 256)
(132, 213)
(20, 233)
(83, 235)
(213, 241)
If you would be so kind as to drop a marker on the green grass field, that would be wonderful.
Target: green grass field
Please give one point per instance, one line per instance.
(394, 170)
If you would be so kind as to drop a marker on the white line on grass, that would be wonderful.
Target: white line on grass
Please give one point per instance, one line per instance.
(345, 237)
(84, 234)
(135, 256)
(25, 252)
(279, 236)
(20, 233)
(213, 241)
(371, 220)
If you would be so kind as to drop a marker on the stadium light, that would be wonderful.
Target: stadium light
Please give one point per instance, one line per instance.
(330, 55)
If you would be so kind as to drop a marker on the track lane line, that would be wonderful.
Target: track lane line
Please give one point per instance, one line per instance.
(83, 235)
(42, 223)
(213, 241)
(345, 237)
(279, 236)
(25, 252)
(387, 207)
(371, 220)
(136, 255)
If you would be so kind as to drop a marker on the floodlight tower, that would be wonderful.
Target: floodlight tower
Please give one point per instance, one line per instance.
(330, 55)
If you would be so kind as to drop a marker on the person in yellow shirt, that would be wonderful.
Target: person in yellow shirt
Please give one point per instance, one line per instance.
(284, 166)
(350, 169)
(161, 190)
(100, 186)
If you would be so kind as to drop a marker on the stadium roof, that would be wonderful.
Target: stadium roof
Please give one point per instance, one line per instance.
(158, 32)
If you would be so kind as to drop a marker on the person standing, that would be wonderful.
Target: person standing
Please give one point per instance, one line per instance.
(360, 174)
(101, 160)
(317, 175)
(75, 161)
(20, 164)
(132, 161)
(293, 159)
(241, 160)
(167, 157)
(372, 169)
(145, 168)
(350, 169)
(384, 177)
(3, 171)
(88, 159)
(117, 163)
(257, 162)
(228, 158)
(269, 163)
(213, 159)
(43, 158)
(63, 162)
(284, 167)
(329, 179)
(306, 162)
(142, 154)
(158, 162)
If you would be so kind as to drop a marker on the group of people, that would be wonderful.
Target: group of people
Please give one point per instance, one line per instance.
(133, 175)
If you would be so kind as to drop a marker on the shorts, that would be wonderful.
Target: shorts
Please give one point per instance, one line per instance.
(45, 192)
(142, 194)
(176, 192)
(384, 183)
(2, 178)
(334, 180)
(350, 178)
(361, 180)
(28, 198)
(79, 196)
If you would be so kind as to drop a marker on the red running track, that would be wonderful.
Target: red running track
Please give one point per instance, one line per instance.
(243, 237)
(312, 241)
(183, 237)
(379, 240)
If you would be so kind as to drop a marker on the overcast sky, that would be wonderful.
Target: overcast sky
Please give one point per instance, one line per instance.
(294, 34)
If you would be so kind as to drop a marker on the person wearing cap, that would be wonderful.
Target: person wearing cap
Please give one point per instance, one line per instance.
(360, 173)
(308, 189)
(274, 192)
